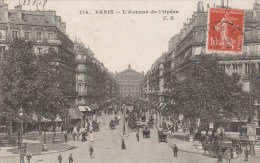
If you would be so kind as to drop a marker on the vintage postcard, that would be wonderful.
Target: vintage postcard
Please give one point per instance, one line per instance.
(129, 81)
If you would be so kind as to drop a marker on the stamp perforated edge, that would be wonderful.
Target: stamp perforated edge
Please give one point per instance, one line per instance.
(225, 52)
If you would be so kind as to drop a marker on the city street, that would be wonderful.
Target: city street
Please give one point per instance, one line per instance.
(107, 147)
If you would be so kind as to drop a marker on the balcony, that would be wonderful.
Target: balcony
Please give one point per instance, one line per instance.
(54, 42)
(82, 93)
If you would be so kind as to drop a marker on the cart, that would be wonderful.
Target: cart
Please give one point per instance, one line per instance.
(162, 136)
(110, 111)
(146, 133)
(112, 125)
(95, 126)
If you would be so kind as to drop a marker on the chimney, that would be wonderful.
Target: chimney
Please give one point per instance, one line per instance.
(222, 3)
(207, 6)
(200, 6)
(4, 9)
(18, 9)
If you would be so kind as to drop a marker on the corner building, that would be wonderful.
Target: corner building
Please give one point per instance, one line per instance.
(46, 30)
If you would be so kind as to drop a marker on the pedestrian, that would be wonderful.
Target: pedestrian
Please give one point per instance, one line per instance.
(246, 154)
(91, 137)
(137, 136)
(91, 151)
(228, 155)
(70, 159)
(60, 158)
(123, 145)
(84, 133)
(175, 150)
(29, 157)
(65, 137)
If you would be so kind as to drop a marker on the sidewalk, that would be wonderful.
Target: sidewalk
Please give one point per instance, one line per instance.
(189, 147)
(34, 147)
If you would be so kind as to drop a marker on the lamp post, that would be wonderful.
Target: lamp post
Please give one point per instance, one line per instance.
(21, 113)
(124, 132)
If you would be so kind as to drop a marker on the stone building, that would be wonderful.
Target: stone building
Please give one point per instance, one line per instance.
(187, 46)
(94, 83)
(130, 82)
(46, 30)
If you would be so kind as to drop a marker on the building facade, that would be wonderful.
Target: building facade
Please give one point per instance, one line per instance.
(130, 82)
(94, 83)
(189, 44)
(46, 30)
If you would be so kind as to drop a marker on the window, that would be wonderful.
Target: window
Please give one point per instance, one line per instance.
(14, 34)
(50, 36)
(234, 66)
(248, 35)
(247, 49)
(2, 49)
(2, 34)
(39, 36)
(80, 77)
(253, 48)
(258, 48)
(197, 50)
(247, 69)
(79, 88)
(39, 50)
(27, 35)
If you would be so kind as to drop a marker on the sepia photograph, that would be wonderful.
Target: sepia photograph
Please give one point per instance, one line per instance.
(129, 81)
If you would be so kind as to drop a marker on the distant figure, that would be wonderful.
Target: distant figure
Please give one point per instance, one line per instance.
(70, 159)
(175, 150)
(91, 150)
(137, 135)
(123, 145)
(60, 158)
(65, 137)
(229, 155)
(246, 154)
(91, 137)
(29, 157)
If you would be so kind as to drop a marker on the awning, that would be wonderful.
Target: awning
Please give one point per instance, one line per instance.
(75, 113)
(82, 108)
(58, 118)
(88, 108)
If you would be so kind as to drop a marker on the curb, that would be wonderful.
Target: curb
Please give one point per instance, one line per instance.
(45, 153)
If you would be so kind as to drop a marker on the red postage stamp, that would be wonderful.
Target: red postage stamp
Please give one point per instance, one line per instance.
(225, 31)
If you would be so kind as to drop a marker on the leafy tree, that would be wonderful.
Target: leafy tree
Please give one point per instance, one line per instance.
(49, 87)
(206, 89)
(17, 74)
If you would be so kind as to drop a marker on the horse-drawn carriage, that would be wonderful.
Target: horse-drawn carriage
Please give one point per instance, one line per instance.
(162, 136)
(150, 122)
(116, 121)
(110, 111)
(95, 126)
(146, 133)
(112, 125)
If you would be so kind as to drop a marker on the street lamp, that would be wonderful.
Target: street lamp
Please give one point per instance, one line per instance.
(221, 113)
(124, 132)
(20, 138)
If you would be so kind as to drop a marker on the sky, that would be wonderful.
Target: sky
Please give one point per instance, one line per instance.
(118, 40)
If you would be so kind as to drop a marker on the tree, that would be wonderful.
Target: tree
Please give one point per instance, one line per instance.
(17, 74)
(206, 89)
(50, 88)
